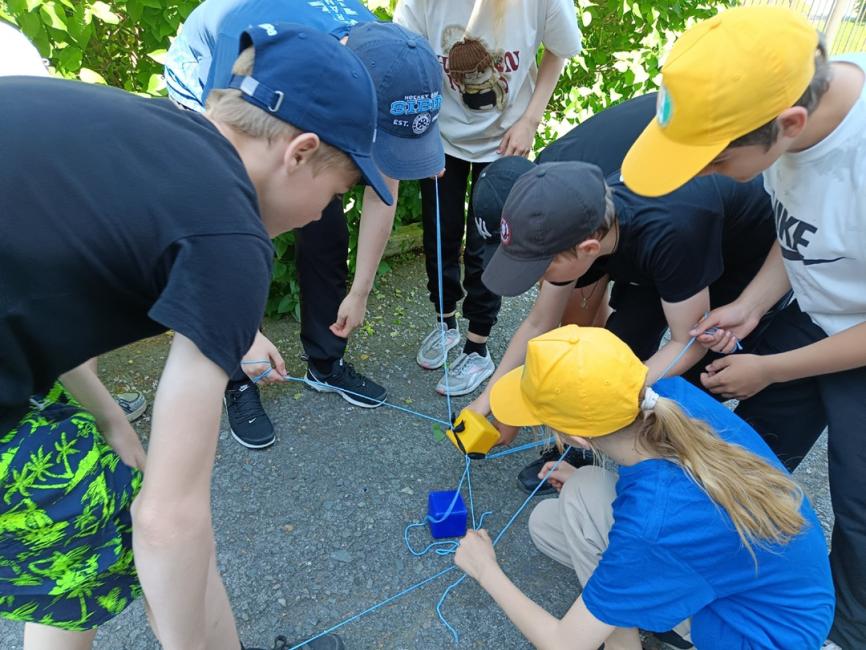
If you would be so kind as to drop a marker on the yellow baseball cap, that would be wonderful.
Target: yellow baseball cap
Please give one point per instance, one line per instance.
(724, 77)
(582, 381)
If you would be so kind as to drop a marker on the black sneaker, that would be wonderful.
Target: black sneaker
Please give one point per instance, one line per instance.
(671, 640)
(528, 477)
(327, 642)
(352, 386)
(249, 423)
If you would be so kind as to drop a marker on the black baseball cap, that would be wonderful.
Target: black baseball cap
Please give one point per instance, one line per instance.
(550, 209)
(491, 191)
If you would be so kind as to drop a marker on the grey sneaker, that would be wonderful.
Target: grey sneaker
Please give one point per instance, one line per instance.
(133, 404)
(467, 374)
(431, 355)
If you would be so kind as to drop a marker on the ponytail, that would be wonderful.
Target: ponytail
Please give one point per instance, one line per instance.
(762, 501)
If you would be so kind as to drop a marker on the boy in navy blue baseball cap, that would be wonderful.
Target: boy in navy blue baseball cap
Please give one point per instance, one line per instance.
(408, 81)
(326, 90)
(407, 78)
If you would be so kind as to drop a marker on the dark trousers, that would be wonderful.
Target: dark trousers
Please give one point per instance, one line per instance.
(481, 306)
(321, 252)
(790, 417)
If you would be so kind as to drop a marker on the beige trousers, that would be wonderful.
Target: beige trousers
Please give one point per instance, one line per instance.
(573, 528)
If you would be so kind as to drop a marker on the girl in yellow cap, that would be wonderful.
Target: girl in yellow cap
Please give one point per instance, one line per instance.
(702, 526)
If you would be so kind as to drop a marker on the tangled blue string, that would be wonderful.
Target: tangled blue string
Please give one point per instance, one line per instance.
(454, 634)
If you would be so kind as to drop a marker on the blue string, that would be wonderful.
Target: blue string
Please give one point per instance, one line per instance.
(681, 354)
(379, 605)
(454, 634)
(442, 547)
(519, 448)
(442, 326)
(304, 380)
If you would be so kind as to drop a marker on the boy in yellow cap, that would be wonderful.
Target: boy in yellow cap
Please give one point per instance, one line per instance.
(703, 521)
(751, 91)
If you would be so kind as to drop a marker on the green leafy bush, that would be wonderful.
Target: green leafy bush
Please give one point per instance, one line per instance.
(123, 43)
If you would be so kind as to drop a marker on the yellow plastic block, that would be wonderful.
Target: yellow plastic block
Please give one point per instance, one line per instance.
(473, 434)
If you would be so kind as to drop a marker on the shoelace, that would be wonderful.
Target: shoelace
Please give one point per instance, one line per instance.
(459, 368)
(245, 404)
(348, 371)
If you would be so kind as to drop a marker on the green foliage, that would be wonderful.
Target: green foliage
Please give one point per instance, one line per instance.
(118, 42)
(123, 43)
(623, 44)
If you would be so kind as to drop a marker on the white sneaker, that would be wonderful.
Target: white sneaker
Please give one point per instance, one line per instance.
(468, 373)
(431, 355)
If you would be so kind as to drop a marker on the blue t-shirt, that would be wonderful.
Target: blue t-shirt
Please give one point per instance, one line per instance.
(202, 56)
(673, 553)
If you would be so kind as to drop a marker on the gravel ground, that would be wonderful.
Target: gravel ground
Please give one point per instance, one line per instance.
(310, 531)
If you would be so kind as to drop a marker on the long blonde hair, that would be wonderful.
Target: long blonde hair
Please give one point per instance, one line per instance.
(762, 501)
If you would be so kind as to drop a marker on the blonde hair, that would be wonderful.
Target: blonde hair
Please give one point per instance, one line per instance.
(227, 106)
(470, 55)
(762, 501)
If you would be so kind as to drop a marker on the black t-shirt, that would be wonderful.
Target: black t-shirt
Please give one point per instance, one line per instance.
(712, 232)
(605, 138)
(122, 217)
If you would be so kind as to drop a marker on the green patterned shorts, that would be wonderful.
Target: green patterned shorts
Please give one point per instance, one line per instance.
(65, 525)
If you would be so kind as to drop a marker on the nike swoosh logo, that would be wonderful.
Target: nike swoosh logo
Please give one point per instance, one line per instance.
(796, 256)
(251, 421)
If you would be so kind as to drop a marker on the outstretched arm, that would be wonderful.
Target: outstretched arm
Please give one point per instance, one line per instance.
(577, 630)
(172, 531)
(377, 219)
(681, 317)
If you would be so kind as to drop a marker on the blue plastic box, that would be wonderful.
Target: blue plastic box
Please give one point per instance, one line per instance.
(454, 525)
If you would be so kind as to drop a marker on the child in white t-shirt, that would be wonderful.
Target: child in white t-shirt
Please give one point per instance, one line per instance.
(494, 99)
(751, 91)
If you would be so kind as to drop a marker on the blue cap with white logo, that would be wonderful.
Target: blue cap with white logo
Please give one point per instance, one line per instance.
(306, 78)
(408, 81)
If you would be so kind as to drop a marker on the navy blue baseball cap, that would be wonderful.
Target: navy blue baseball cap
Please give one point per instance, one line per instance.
(408, 81)
(308, 79)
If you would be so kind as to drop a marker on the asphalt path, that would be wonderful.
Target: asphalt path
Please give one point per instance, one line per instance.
(310, 531)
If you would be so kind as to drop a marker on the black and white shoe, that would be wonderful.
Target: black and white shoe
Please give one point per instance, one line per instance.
(528, 476)
(352, 386)
(249, 423)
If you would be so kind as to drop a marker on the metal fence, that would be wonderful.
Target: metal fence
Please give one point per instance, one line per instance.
(842, 21)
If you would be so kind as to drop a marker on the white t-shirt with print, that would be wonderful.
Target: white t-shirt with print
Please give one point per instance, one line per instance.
(17, 54)
(480, 108)
(819, 203)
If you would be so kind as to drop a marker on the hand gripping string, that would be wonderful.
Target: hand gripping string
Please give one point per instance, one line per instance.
(455, 635)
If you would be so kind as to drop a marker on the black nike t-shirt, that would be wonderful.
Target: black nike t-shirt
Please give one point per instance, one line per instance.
(122, 217)
(712, 232)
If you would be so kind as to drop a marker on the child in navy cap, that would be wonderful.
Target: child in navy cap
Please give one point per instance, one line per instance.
(408, 82)
(141, 215)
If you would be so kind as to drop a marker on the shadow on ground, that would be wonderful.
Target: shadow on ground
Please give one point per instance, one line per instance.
(310, 531)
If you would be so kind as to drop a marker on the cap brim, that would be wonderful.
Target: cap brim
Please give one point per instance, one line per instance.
(373, 177)
(508, 404)
(409, 159)
(507, 276)
(656, 165)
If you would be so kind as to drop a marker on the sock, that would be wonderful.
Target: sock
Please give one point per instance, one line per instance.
(322, 367)
(471, 346)
(450, 321)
